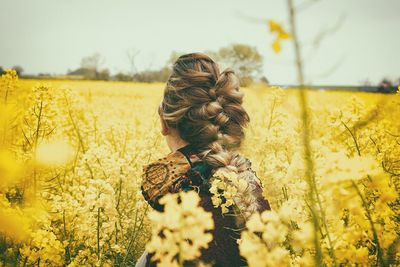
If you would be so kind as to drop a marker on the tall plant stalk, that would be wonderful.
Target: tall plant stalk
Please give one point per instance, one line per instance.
(313, 194)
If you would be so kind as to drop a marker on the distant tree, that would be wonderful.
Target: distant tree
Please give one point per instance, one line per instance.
(120, 76)
(94, 61)
(92, 64)
(84, 72)
(385, 86)
(148, 76)
(1, 70)
(264, 80)
(386, 82)
(90, 68)
(18, 69)
(104, 74)
(245, 60)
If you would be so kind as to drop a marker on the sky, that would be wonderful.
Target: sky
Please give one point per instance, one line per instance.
(52, 36)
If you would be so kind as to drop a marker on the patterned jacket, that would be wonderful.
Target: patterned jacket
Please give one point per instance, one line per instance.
(177, 172)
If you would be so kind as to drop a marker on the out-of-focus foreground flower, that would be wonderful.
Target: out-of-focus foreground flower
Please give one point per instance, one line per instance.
(181, 230)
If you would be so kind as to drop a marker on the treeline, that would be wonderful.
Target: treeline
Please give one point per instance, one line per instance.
(244, 59)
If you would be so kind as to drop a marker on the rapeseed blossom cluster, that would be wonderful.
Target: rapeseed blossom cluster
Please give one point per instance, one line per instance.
(225, 185)
(180, 231)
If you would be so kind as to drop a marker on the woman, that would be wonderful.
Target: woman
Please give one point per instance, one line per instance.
(203, 120)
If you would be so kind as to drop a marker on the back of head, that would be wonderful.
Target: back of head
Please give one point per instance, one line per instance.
(205, 106)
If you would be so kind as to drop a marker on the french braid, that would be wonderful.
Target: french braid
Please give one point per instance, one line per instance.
(205, 106)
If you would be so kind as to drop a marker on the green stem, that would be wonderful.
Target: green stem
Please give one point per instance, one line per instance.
(75, 127)
(371, 222)
(133, 238)
(67, 249)
(98, 233)
(379, 255)
(354, 138)
(306, 135)
(36, 140)
(313, 193)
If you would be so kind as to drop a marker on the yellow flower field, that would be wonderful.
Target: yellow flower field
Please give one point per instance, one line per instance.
(72, 153)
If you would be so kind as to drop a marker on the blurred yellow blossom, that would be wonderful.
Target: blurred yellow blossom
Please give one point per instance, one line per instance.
(277, 28)
(44, 246)
(10, 169)
(54, 152)
(180, 231)
(261, 242)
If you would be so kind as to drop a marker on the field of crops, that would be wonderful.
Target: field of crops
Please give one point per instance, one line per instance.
(72, 153)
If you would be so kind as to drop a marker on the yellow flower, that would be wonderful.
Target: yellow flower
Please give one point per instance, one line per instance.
(276, 45)
(10, 169)
(226, 184)
(54, 152)
(275, 27)
(303, 237)
(184, 227)
(273, 233)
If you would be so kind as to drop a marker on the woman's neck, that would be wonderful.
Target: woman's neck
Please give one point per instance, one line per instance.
(175, 143)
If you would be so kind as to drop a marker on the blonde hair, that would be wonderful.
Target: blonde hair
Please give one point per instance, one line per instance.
(205, 106)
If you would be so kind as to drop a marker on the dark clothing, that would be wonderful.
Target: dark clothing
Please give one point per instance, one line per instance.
(223, 250)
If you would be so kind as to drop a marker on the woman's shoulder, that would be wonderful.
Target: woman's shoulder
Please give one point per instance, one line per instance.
(172, 173)
(161, 176)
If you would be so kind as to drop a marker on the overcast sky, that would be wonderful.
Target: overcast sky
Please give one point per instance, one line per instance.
(52, 36)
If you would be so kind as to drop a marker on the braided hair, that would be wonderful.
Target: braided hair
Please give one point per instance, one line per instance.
(205, 106)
